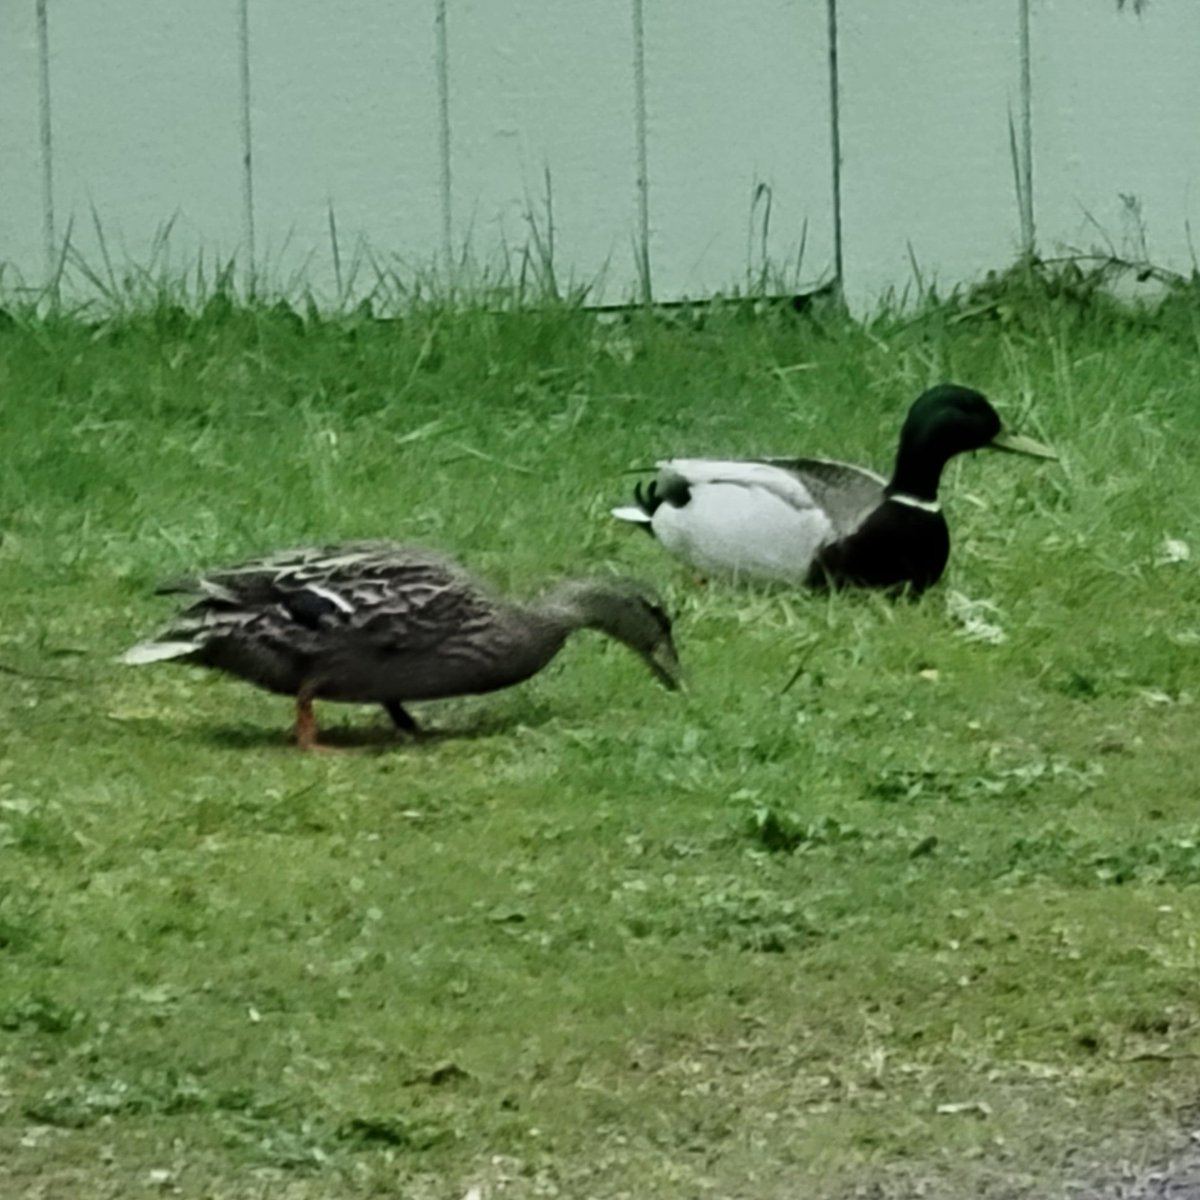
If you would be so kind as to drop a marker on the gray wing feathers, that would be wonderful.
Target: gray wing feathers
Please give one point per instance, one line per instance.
(844, 492)
(397, 598)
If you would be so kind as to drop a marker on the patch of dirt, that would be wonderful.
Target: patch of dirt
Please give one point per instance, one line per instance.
(1178, 1178)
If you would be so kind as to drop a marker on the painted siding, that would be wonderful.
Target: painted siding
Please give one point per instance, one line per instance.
(927, 179)
(344, 119)
(1117, 129)
(494, 139)
(21, 212)
(543, 143)
(145, 132)
(737, 114)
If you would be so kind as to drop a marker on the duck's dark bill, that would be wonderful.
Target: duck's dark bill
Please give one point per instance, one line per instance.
(664, 662)
(1018, 443)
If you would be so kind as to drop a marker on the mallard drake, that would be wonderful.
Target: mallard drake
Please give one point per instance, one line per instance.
(381, 623)
(823, 523)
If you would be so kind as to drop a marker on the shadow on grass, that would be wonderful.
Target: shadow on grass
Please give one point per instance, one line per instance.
(366, 737)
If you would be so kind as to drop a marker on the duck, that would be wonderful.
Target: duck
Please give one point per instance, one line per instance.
(822, 523)
(383, 623)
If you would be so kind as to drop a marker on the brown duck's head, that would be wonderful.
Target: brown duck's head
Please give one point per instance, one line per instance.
(632, 612)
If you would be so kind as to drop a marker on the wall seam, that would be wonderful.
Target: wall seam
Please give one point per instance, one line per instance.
(642, 250)
(1025, 161)
(247, 137)
(444, 139)
(835, 146)
(46, 140)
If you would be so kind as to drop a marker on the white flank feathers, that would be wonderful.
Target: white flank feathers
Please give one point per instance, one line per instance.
(149, 652)
(757, 518)
(768, 529)
(780, 483)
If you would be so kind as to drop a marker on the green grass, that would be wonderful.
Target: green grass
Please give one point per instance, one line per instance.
(929, 914)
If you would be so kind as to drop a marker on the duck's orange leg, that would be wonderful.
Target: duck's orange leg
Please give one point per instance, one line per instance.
(306, 725)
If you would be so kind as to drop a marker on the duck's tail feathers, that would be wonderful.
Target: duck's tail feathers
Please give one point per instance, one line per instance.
(149, 652)
(642, 512)
(631, 513)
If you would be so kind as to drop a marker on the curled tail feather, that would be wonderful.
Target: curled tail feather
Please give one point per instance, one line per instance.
(642, 512)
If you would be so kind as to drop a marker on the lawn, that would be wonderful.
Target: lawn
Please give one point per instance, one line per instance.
(895, 895)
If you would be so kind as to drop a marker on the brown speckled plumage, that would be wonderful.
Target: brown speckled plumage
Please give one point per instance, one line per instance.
(377, 622)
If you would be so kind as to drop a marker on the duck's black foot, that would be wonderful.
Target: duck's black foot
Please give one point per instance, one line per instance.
(401, 718)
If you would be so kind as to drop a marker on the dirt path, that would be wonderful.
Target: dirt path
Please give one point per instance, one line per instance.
(1178, 1178)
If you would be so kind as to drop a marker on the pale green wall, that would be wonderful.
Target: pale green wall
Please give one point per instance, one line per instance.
(347, 114)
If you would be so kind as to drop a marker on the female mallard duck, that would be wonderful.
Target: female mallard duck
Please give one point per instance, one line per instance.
(379, 623)
(823, 523)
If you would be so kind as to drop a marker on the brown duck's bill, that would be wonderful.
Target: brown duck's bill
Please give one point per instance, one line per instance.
(1018, 443)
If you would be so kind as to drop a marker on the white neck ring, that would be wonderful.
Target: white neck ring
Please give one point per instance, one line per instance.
(929, 506)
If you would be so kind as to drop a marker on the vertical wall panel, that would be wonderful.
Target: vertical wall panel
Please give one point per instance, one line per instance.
(345, 115)
(20, 155)
(1117, 114)
(146, 128)
(926, 94)
(737, 110)
(535, 91)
